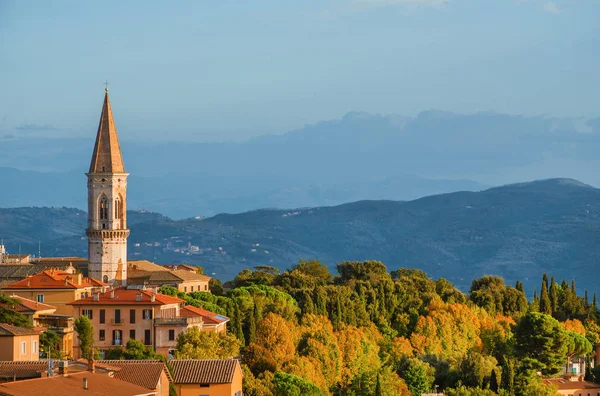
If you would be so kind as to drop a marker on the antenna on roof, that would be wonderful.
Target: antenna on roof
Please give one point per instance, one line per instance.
(39, 249)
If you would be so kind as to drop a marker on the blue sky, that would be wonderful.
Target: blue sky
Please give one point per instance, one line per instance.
(225, 70)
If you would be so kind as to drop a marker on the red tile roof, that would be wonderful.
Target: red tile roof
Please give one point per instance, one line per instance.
(98, 385)
(30, 305)
(566, 384)
(54, 279)
(25, 369)
(10, 330)
(207, 316)
(144, 373)
(124, 296)
(204, 371)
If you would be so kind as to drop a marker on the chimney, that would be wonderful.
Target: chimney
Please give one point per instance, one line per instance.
(153, 298)
(63, 368)
(91, 365)
(85, 385)
(138, 297)
(79, 278)
(155, 289)
(96, 297)
(112, 294)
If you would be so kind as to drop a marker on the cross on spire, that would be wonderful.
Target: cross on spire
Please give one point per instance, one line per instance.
(106, 85)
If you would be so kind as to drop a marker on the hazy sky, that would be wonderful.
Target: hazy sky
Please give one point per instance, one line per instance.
(230, 69)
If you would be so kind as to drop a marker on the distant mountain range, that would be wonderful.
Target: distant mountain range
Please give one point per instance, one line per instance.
(361, 156)
(518, 231)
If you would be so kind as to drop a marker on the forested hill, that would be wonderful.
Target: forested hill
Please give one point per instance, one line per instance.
(518, 231)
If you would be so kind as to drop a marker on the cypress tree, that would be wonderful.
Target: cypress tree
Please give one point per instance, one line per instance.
(545, 304)
(309, 307)
(254, 319)
(495, 380)
(586, 302)
(519, 286)
(573, 290)
(545, 280)
(237, 323)
(594, 303)
(553, 295)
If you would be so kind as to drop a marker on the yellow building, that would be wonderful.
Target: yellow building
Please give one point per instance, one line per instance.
(18, 343)
(573, 386)
(54, 287)
(184, 278)
(207, 377)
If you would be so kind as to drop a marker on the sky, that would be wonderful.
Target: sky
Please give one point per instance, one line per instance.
(230, 70)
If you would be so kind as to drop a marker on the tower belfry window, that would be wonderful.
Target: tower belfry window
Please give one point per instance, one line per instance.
(118, 208)
(103, 209)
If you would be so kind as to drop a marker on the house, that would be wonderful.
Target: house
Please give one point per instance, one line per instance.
(142, 272)
(211, 377)
(119, 315)
(42, 316)
(150, 374)
(212, 321)
(88, 383)
(19, 343)
(55, 287)
(573, 386)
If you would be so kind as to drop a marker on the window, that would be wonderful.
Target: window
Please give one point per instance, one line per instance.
(105, 279)
(88, 313)
(171, 335)
(185, 289)
(102, 335)
(132, 334)
(147, 314)
(117, 316)
(147, 337)
(117, 336)
(40, 298)
(23, 348)
(34, 347)
(204, 385)
(102, 316)
(191, 288)
(205, 287)
(103, 214)
(132, 316)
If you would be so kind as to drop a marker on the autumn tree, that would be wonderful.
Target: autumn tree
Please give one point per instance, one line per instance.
(85, 334)
(197, 344)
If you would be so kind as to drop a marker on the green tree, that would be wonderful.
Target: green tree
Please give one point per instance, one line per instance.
(85, 334)
(418, 375)
(197, 344)
(9, 315)
(134, 350)
(545, 303)
(291, 385)
(49, 344)
(540, 337)
(553, 295)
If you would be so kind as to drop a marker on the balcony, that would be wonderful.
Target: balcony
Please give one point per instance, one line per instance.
(181, 321)
(117, 322)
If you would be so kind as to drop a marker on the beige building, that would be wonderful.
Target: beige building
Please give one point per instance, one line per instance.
(207, 377)
(122, 314)
(142, 272)
(54, 287)
(18, 343)
(573, 386)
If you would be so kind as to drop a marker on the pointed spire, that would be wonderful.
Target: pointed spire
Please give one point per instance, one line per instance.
(107, 153)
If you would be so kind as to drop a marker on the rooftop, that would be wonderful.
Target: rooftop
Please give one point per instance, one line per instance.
(106, 157)
(26, 305)
(566, 384)
(8, 330)
(123, 296)
(207, 316)
(204, 371)
(97, 384)
(55, 279)
(144, 373)
(25, 369)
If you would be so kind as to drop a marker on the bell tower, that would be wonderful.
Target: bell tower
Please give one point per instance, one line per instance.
(107, 205)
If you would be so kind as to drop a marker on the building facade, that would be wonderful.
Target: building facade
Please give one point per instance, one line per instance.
(18, 343)
(107, 230)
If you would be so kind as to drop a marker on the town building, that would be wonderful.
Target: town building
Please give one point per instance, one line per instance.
(573, 386)
(22, 369)
(55, 287)
(107, 205)
(142, 272)
(19, 343)
(122, 314)
(211, 321)
(213, 377)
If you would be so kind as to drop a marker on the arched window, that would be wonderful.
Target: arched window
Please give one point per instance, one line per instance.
(105, 279)
(118, 208)
(103, 209)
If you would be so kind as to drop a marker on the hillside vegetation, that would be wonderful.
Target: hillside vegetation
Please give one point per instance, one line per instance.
(517, 231)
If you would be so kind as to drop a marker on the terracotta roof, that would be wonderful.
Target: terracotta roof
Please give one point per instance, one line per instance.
(201, 371)
(54, 279)
(566, 384)
(98, 385)
(25, 369)
(107, 152)
(124, 296)
(27, 305)
(10, 330)
(207, 316)
(177, 276)
(144, 373)
(144, 265)
(189, 275)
